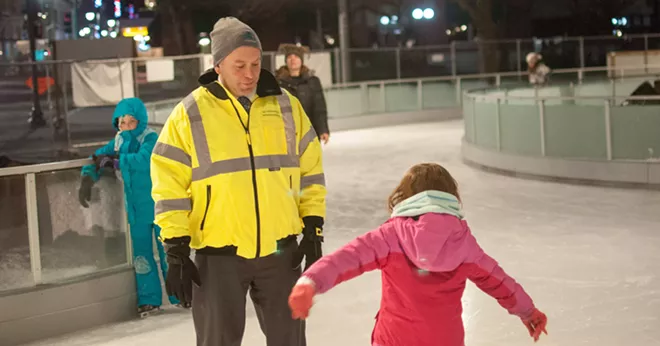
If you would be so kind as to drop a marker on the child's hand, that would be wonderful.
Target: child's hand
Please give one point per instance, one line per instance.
(536, 324)
(301, 300)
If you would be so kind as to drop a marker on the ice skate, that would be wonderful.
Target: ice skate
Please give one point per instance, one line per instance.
(186, 306)
(148, 310)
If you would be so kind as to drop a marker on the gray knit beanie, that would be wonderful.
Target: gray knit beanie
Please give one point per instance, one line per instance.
(229, 34)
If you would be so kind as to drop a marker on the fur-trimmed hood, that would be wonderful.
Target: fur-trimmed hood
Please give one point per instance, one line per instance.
(284, 74)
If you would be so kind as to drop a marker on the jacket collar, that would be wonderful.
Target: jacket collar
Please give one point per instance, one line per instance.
(267, 85)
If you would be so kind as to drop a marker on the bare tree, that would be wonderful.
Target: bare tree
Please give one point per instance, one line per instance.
(482, 15)
(177, 17)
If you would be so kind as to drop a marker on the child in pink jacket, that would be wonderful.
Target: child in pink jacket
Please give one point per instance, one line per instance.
(426, 253)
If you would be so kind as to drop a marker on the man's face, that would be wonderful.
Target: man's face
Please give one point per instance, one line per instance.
(240, 71)
(127, 123)
(293, 62)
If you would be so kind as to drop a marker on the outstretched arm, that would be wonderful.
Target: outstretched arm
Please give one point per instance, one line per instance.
(91, 170)
(486, 273)
(367, 252)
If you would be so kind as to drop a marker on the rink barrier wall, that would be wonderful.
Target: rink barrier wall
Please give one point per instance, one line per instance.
(562, 134)
(584, 172)
(55, 310)
(63, 268)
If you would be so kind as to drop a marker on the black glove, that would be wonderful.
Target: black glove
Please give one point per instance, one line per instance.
(310, 245)
(182, 272)
(85, 191)
(105, 161)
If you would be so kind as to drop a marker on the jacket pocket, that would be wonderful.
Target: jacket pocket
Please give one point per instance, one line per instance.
(274, 135)
(206, 209)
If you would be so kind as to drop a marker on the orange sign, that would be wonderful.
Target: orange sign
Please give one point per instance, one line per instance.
(43, 84)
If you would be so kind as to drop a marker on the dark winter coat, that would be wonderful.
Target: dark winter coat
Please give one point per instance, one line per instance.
(307, 88)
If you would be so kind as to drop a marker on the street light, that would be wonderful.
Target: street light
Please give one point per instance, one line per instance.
(90, 16)
(112, 23)
(104, 33)
(429, 13)
(204, 41)
(418, 13)
(385, 20)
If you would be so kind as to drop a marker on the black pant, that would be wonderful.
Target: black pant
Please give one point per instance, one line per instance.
(219, 304)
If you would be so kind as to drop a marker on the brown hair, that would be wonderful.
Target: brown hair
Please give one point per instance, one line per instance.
(420, 178)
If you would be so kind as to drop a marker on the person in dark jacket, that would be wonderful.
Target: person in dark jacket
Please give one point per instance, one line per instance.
(300, 81)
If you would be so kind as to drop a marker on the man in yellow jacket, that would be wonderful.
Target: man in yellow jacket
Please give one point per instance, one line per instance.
(237, 175)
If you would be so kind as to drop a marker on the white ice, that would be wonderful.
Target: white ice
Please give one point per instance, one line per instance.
(588, 256)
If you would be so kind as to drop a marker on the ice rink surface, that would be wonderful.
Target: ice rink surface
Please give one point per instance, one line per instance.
(588, 256)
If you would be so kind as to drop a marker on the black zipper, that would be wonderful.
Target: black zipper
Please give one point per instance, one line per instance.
(206, 210)
(254, 176)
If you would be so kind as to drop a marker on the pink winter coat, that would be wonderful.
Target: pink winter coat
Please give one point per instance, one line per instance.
(425, 264)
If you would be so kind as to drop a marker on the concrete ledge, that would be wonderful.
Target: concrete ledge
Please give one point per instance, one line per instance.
(613, 173)
(56, 310)
(390, 119)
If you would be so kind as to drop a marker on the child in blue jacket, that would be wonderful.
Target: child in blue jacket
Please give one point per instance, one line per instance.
(129, 153)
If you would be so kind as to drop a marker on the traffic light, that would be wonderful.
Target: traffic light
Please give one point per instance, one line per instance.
(67, 23)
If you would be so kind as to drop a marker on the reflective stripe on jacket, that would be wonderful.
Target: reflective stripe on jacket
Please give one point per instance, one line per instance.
(227, 178)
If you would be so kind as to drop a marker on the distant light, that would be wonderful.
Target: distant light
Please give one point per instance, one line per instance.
(113, 34)
(204, 41)
(384, 20)
(143, 46)
(624, 21)
(619, 33)
(147, 38)
(98, 3)
(615, 21)
(117, 8)
(151, 4)
(429, 13)
(82, 33)
(87, 30)
(397, 31)
(90, 16)
(330, 40)
(457, 29)
(418, 13)
(112, 23)
(138, 38)
(1, 53)
(104, 33)
(46, 53)
(395, 20)
(464, 27)
(448, 32)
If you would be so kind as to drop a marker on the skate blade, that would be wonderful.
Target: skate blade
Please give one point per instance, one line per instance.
(150, 313)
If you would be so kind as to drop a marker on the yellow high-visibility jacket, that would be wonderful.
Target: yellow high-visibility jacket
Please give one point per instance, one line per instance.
(229, 179)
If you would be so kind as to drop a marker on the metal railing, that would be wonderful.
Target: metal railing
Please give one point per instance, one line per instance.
(43, 222)
(564, 124)
(78, 126)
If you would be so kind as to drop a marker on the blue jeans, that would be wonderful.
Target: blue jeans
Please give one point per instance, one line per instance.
(146, 271)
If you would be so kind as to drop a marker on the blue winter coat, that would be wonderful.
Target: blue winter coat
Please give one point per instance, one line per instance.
(134, 151)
